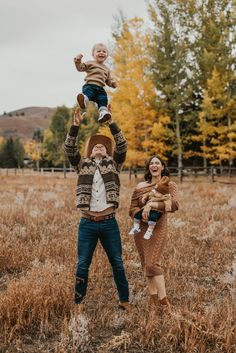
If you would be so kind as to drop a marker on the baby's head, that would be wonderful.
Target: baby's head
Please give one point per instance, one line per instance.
(100, 52)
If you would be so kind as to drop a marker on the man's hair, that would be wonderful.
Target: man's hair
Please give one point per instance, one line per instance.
(99, 45)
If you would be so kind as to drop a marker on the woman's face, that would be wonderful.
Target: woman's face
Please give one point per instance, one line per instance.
(155, 167)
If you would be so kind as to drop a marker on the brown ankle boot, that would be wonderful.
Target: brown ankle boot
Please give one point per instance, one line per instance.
(125, 306)
(165, 305)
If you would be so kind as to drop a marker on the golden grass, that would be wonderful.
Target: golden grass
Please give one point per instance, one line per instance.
(38, 235)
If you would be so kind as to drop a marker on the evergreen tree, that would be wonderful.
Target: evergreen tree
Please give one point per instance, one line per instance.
(213, 47)
(54, 137)
(171, 65)
(218, 137)
(12, 154)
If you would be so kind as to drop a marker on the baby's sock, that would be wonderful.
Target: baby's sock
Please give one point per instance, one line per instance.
(136, 227)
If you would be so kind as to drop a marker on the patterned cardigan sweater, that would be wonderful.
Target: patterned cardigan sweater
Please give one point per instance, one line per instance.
(109, 167)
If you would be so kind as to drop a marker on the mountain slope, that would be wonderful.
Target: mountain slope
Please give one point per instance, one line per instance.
(22, 123)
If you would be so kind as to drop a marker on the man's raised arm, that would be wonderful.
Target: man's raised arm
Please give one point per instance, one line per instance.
(120, 149)
(70, 146)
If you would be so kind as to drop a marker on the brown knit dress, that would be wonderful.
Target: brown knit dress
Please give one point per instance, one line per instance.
(150, 250)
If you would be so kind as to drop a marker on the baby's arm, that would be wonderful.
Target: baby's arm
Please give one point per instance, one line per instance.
(145, 198)
(166, 198)
(110, 81)
(79, 65)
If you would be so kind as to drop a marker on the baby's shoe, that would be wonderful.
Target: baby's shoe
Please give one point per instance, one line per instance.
(135, 230)
(148, 233)
(82, 100)
(104, 115)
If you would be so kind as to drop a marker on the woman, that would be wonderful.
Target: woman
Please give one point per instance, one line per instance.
(150, 250)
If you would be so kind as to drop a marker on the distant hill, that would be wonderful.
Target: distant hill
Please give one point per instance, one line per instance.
(22, 123)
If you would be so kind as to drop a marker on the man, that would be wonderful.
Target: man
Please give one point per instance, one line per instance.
(97, 193)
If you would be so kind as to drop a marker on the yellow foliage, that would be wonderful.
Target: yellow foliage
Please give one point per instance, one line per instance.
(33, 149)
(133, 101)
(217, 132)
(1, 141)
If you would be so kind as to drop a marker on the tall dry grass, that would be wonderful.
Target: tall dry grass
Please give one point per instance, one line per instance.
(38, 234)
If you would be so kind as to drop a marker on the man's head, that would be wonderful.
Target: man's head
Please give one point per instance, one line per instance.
(100, 52)
(99, 146)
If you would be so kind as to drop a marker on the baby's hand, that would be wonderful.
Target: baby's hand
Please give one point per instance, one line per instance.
(114, 84)
(144, 199)
(78, 58)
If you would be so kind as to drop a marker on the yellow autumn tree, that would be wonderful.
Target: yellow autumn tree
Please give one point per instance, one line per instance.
(133, 101)
(217, 121)
(1, 141)
(34, 150)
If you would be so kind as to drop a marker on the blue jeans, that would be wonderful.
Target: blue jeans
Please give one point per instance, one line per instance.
(154, 216)
(108, 233)
(96, 94)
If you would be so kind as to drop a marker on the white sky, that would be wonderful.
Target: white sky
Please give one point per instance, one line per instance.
(39, 39)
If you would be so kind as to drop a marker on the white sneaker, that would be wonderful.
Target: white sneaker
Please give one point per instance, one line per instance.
(104, 115)
(148, 234)
(82, 100)
(134, 231)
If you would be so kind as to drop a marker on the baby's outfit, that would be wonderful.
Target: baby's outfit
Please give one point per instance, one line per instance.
(98, 76)
(159, 193)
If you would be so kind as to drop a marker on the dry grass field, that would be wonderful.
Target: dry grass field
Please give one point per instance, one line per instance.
(38, 235)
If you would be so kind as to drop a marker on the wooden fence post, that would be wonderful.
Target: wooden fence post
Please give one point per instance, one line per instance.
(180, 172)
(212, 174)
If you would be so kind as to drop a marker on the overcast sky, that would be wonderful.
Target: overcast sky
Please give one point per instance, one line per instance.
(38, 40)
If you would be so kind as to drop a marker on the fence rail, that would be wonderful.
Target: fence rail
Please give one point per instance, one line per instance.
(213, 173)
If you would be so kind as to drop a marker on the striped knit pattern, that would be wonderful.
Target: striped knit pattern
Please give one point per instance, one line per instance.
(85, 167)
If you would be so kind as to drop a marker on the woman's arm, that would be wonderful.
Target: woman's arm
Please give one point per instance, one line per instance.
(134, 205)
(161, 205)
(174, 196)
(164, 205)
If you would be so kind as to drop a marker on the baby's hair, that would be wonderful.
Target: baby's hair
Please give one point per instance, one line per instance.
(99, 45)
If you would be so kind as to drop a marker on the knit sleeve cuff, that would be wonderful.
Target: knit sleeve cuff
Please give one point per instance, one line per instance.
(114, 128)
(168, 205)
(74, 129)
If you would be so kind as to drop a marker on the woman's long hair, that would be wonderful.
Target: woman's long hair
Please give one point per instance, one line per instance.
(148, 175)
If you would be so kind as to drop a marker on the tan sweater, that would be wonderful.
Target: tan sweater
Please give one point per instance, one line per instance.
(97, 74)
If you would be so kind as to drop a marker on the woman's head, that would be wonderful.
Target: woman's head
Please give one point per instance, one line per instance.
(155, 167)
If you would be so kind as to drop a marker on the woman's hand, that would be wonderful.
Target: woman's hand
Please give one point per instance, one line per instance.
(78, 118)
(146, 211)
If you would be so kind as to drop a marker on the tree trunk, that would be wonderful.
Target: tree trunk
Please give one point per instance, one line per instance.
(204, 158)
(179, 143)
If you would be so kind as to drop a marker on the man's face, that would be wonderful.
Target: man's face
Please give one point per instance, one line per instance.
(99, 150)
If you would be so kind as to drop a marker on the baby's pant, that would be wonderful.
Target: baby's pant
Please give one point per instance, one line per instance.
(96, 94)
(154, 216)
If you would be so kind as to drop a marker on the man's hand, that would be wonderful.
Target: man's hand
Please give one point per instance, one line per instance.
(78, 118)
(78, 58)
(110, 121)
(146, 211)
